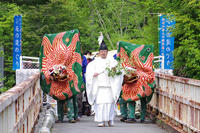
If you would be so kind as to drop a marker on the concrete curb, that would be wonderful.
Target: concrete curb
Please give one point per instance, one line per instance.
(162, 123)
(166, 126)
(49, 120)
(46, 120)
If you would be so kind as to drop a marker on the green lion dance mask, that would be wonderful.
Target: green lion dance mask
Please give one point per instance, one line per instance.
(61, 65)
(140, 80)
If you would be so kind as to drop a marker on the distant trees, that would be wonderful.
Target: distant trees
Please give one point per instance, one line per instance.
(7, 12)
(187, 35)
(134, 21)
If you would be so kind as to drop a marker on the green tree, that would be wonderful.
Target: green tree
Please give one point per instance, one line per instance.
(54, 17)
(186, 33)
(26, 2)
(134, 21)
(126, 20)
(187, 52)
(115, 19)
(7, 12)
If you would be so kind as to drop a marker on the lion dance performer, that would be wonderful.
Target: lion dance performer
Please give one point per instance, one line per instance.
(139, 79)
(61, 70)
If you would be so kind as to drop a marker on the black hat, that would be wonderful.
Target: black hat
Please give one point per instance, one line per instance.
(103, 46)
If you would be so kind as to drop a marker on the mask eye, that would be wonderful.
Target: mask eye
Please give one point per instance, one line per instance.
(148, 50)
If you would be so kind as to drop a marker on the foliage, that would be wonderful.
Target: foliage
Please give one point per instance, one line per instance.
(187, 52)
(117, 20)
(54, 17)
(148, 34)
(26, 2)
(114, 71)
(134, 21)
(7, 12)
(186, 33)
(39, 19)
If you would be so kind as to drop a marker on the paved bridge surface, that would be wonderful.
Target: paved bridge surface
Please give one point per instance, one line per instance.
(176, 102)
(87, 125)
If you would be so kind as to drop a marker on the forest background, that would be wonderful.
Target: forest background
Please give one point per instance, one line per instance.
(134, 21)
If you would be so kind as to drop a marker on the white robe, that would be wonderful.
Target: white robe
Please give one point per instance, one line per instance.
(102, 91)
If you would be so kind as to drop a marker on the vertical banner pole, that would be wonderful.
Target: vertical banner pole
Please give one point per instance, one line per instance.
(17, 33)
(166, 41)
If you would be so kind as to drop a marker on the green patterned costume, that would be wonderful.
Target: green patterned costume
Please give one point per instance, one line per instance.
(127, 108)
(61, 67)
(140, 83)
(72, 107)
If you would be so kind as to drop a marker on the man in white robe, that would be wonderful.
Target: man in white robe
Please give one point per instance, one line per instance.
(103, 91)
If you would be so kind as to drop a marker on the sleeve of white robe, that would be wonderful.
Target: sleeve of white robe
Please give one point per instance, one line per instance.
(116, 85)
(90, 82)
(116, 82)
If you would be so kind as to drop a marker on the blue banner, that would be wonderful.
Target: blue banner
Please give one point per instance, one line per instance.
(17, 36)
(166, 41)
